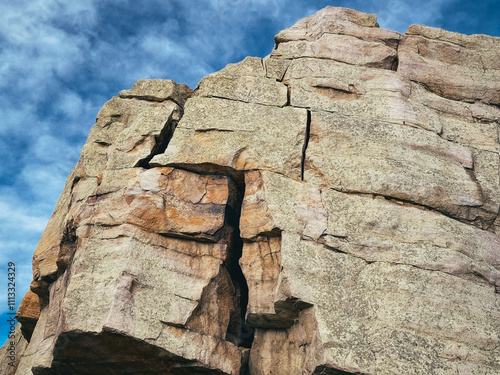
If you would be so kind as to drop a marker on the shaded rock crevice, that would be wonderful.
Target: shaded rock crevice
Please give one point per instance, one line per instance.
(395, 63)
(336, 93)
(209, 169)
(244, 332)
(306, 143)
(286, 314)
(161, 143)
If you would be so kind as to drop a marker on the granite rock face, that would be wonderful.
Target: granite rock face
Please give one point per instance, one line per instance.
(332, 208)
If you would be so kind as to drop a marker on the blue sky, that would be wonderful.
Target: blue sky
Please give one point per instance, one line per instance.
(60, 61)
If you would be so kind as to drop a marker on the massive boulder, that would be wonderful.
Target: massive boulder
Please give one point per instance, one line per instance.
(332, 208)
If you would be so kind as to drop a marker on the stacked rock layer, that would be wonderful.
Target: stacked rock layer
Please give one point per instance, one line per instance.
(332, 208)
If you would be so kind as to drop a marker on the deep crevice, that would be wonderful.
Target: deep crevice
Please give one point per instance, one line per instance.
(286, 314)
(245, 332)
(285, 71)
(395, 63)
(111, 352)
(161, 143)
(151, 98)
(306, 143)
(68, 248)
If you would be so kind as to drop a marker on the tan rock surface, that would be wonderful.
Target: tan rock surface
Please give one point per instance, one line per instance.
(330, 20)
(28, 313)
(227, 133)
(397, 161)
(332, 208)
(245, 81)
(136, 258)
(158, 90)
(322, 84)
(472, 65)
(405, 244)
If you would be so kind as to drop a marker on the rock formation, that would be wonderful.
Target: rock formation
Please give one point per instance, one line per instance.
(332, 208)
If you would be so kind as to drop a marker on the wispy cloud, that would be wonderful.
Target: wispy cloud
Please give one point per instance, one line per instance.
(398, 15)
(21, 226)
(25, 221)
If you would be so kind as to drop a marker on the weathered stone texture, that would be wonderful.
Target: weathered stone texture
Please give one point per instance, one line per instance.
(28, 313)
(472, 63)
(237, 135)
(332, 208)
(158, 90)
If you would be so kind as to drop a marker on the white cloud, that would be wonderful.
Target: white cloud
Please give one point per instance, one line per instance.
(399, 15)
(71, 105)
(173, 55)
(21, 226)
(21, 20)
(44, 181)
(12, 215)
(18, 116)
(51, 149)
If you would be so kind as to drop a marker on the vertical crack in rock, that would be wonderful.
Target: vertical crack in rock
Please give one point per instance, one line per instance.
(238, 326)
(395, 63)
(68, 248)
(263, 65)
(306, 143)
(161, 143)
(282, 78)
